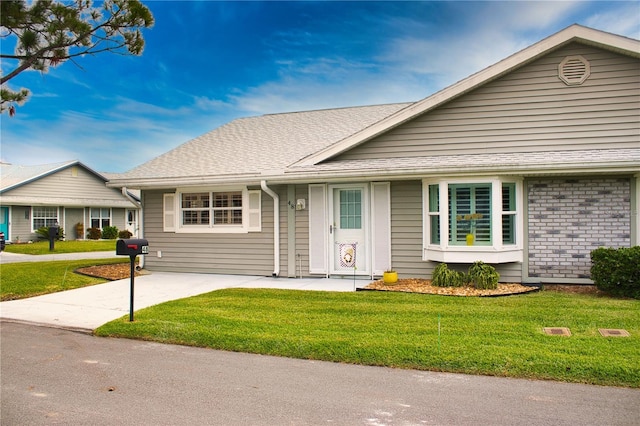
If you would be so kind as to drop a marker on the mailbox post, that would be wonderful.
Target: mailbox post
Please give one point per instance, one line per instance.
(132, 248)
(54, 232)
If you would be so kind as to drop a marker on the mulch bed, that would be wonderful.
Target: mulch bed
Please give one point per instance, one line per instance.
(416, 285)
(117, 271)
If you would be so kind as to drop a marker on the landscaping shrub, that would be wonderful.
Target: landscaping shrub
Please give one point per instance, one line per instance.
(124, 234)
(483, 276)
(43, 233)
(79, 230)
(445, 277)
(109, 233)
(94, 233)
(617, 271)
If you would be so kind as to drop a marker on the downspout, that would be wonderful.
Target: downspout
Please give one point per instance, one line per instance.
(139, 205)
(276, 226)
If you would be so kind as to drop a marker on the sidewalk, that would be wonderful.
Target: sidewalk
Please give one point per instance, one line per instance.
(87, 308)
(15, 257)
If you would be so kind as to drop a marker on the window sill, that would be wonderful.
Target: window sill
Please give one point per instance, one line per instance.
(472, 254)
(214, 230)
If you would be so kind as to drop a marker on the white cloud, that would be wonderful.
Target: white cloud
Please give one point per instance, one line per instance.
(522, 16)
(623, 20)
(114, 140)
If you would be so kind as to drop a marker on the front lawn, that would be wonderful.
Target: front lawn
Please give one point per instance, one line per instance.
(42, 247)
(492, 336)
(28, 279)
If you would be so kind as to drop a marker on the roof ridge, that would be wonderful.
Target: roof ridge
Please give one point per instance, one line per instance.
(336, 109)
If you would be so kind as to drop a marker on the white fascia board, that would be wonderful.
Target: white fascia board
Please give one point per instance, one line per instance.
(339, 174)
(191, 181)
(66, 202)
(573, 33)
(411, 173)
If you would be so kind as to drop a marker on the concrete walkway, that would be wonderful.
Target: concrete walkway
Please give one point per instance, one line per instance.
(85, 309)
(17, 258)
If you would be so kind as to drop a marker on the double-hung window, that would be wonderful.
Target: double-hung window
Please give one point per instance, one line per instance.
(212, 208)
(100, 217)
(470, 220)
(222, 211)
(227, 208)
(44, 216)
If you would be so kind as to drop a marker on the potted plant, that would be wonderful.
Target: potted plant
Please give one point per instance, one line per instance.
(390, 276)
(471, 219)
(79, 231)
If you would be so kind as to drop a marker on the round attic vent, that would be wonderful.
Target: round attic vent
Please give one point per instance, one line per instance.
(574, 70)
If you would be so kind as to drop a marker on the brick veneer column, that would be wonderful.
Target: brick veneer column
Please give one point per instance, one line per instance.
(570, 217)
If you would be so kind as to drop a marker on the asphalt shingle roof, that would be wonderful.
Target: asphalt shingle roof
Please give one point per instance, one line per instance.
(12, 175)
(257, 144)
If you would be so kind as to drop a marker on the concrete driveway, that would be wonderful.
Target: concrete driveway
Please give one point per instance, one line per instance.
(87, 308)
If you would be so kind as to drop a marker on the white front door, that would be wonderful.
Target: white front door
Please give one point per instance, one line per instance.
(132, 222)
(348, 223)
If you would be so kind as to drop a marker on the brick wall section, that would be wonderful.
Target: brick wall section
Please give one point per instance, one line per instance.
(570, 217)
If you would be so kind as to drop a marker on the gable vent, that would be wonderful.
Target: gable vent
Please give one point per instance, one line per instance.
(574, 70)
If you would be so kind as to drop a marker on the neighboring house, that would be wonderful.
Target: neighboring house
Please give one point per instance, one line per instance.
(527, 165)
(62, 194)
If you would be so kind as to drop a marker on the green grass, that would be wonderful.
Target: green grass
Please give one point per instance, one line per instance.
(28, 279)
(42, 247)
(491, 336)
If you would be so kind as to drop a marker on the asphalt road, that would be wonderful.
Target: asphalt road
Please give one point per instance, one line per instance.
(54, 376)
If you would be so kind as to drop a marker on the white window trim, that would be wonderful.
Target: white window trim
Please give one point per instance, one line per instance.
(497, 252)
(33, 216)
(244, 228)
(101, 217)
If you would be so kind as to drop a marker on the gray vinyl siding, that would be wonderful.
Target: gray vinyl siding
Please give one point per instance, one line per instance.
(406, 230)
(302, 232)
(20, 221)
(282, 194)
(241, 254)
(118, 218)
(63, 184)
(73, 216)
(406, 237)
(527, 110)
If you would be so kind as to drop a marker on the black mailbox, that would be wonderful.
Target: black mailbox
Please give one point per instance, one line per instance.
(2, 241)
(54, 232)
(132, 247)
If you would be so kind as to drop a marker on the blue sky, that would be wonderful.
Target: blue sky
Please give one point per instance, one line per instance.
(207, 62)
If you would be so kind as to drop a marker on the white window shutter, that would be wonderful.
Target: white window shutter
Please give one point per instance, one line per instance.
(318, 229)
(254, 211)
(381, 226)
(169, 212)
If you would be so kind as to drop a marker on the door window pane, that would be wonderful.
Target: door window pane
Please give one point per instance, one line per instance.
(350, 209)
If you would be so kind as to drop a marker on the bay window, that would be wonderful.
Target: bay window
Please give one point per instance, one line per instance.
(472, 219)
